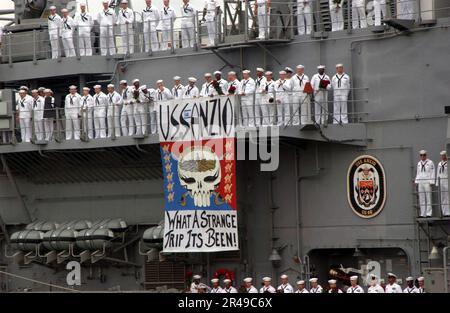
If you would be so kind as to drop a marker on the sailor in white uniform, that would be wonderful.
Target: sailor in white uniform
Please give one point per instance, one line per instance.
(150, 17)
(126, 116)
(188, 13)
(301, 287)
(267, 287)
(333, 286)
(162, 93)
(249, 288)
(67, 27)
(337, 17)
(195, 283)
(87, 105)
(54, 31)
(191, 91)
(320, 83)
(228, 287)
(38, 115)
(354, 287)
(106, 19)
(100, 110)
(304, 16)
(210, 15)
(315, 287)
(425, 177)
(84, 22)
(247, 92)
(178, 88)
(442, 182)
(380, 9)
(141, 99)
(392, 286)
(167, 16)
(359, 19)
(49, 113)
(341, 89)
(125, 19)
(207, 87)
(300, 99)
(406, 9)
(215, 287)
(374, 286)
(259, 94)
(113, 114)
(25, 108)
(285, 286)
(234, 85)
(223, 84)
(421, 282)
(262, 11)
(268, 100)
(72, 110)
(283, 90)
(410, 288)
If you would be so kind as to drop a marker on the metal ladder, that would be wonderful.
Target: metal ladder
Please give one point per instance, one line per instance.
(424, 243)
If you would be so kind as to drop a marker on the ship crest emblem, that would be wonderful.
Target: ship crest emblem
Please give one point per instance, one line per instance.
(366, 186)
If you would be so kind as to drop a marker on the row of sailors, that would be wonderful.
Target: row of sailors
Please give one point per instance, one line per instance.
(286, 287)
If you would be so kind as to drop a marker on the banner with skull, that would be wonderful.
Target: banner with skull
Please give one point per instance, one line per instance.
(197, 145)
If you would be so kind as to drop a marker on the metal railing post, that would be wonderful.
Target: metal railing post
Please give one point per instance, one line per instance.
(149, 39)
(34, 47)
(199, 39)
(58, 125)
(59, 44)
(127, 54)
(113, 128)
(77, 42)
(10, 50)
(108, 40)
(194, 24)
(291, 15)
(172, 45)
(246, 16)
(419, 11)
(349, 17)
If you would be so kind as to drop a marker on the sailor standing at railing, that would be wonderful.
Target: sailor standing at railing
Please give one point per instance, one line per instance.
(49, 113)
(161, 92)
(72, 108)
(359, 19)
(87, 105)
(84, 24)
(25, 107)
(113, 114)
(107, 19)
(38, 115)
(247, 91)
(207, 87)
(268, 100)
(67, 28)
(259, 81)
(100, 110)
(442, 182)
(125, 19)
(320, 82)
(425, 177)
(168, 16)
(178, 88)
(188, 14)
(336, 14)
(126, 116)
(211, 12)
(142, 98)
(262, 11)
(54, 31)
(191, 91)
(150, 17)
(300, 100)
(341, 89)
(380, 9)
(304, 16)
(283, 89)
(223, 84)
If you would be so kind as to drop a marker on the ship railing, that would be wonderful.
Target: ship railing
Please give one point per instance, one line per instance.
(431, 196)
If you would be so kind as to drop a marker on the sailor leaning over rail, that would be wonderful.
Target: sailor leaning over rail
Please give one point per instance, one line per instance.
(340, 83)
(38, 115)
(113, 112)
(127, 113)
(178, 88)
(49, 113)
(167, 15)
(107, 19)
(188, 13)
(191, 91)
(150, 18)
(300, 100)
(125, 20)
(425, 178)
(442, 183)
(211, 13)
(54, 31)
(320, 83)
(100, 110)
(72, 108)
(67, 29)
(262, 11)
(84, 23)
(304, 16)
(87, 104)
(24, 107)
(268, 104)
(259, 92)
(247, 90)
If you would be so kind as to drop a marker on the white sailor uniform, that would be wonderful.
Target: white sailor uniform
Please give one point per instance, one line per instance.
(113, 114)
(167, 15)
(100, 109)
(150, 16)
(341, 90)
(442, 182)
(25, 108)
(247, 90)
(38, 117)
(67, 28)
(54, 31)
(300, 101)
(87, 104)
(107, 20)
(320, 98)
(125, 18)
(188, 14)
(72, 110)
(84, 24)
(127, 114)
(425, 177)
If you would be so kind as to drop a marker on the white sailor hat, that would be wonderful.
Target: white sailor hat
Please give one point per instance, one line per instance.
(82, 3)
(47, 90)
(72, 87)
(354, 277)
(176, 78)
(192, 79)
(110, 86)
(136, 80)
(86, 88)
(159, 81)
(409, 278)
(268, 73)
(423, 152)
(443, 152)
(313, 280)
(267, 278)
(124, 2)
(34, 91)
(201, 286)
(123, 82)
(23, 88)
(284, 276)
(301, 282)
(245, 72)
(231, 73)
(282, 72)
(208, 75)
(339, 65)
(64, 10)
(321, 67)
(196, 277)
(52, 7)
(260, 69)
(227, 280)
(105, 1)
(300, 66)
(332, 281)
(215, 280)
(391, 275)
(217, 72)
(41, 88)
(420, 278)
(248, 280)
(288, 69)
(97, 87)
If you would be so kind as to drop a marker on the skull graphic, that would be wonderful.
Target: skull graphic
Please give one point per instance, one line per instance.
(200, 173)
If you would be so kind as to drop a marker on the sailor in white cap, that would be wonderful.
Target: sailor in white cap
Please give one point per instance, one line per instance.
(67, 27)
(359, 19)
(285, 286)
(380, 9)
(340, 83)
(188, 13)
(125, 19)
(283, 90)
(442, 182)
(223, 84)
(141, 99)
(113, 114)
(262, 11)
(167, 15)
(315, 287)
(410, 287)
(162, 93)
(259, 94)
(84, 22)
(87, 104)
(25, 108)
(228, 287)
(195, 283)
(178, 88)
(24, 88)
(72, 109)
(54, 31)
(354, 287)
(392, 286)
(304, 16)
(268, 100)
(38, 115)
(106, 18)
(267, 287)
(249, 288)
(421, 282)
(300, 101)
(320, 82)
(210, 12)
(215, 287)
(336, 14)
(247, 90)
(333, 286)
(425, 177)
(233, 84)
(301, 287)
(49, 113)
(100, 110)
(150, 19)
(126, 115)
(207, 87)
(191, 91)
(374, 286)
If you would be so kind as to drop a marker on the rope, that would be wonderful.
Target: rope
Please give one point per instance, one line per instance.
(39, 282)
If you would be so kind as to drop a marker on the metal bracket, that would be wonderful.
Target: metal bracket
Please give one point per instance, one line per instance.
(268, 52)
(227, 63)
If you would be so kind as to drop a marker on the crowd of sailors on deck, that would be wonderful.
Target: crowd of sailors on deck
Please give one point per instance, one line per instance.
(374, 286)
(128, 110)
(123, 22)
